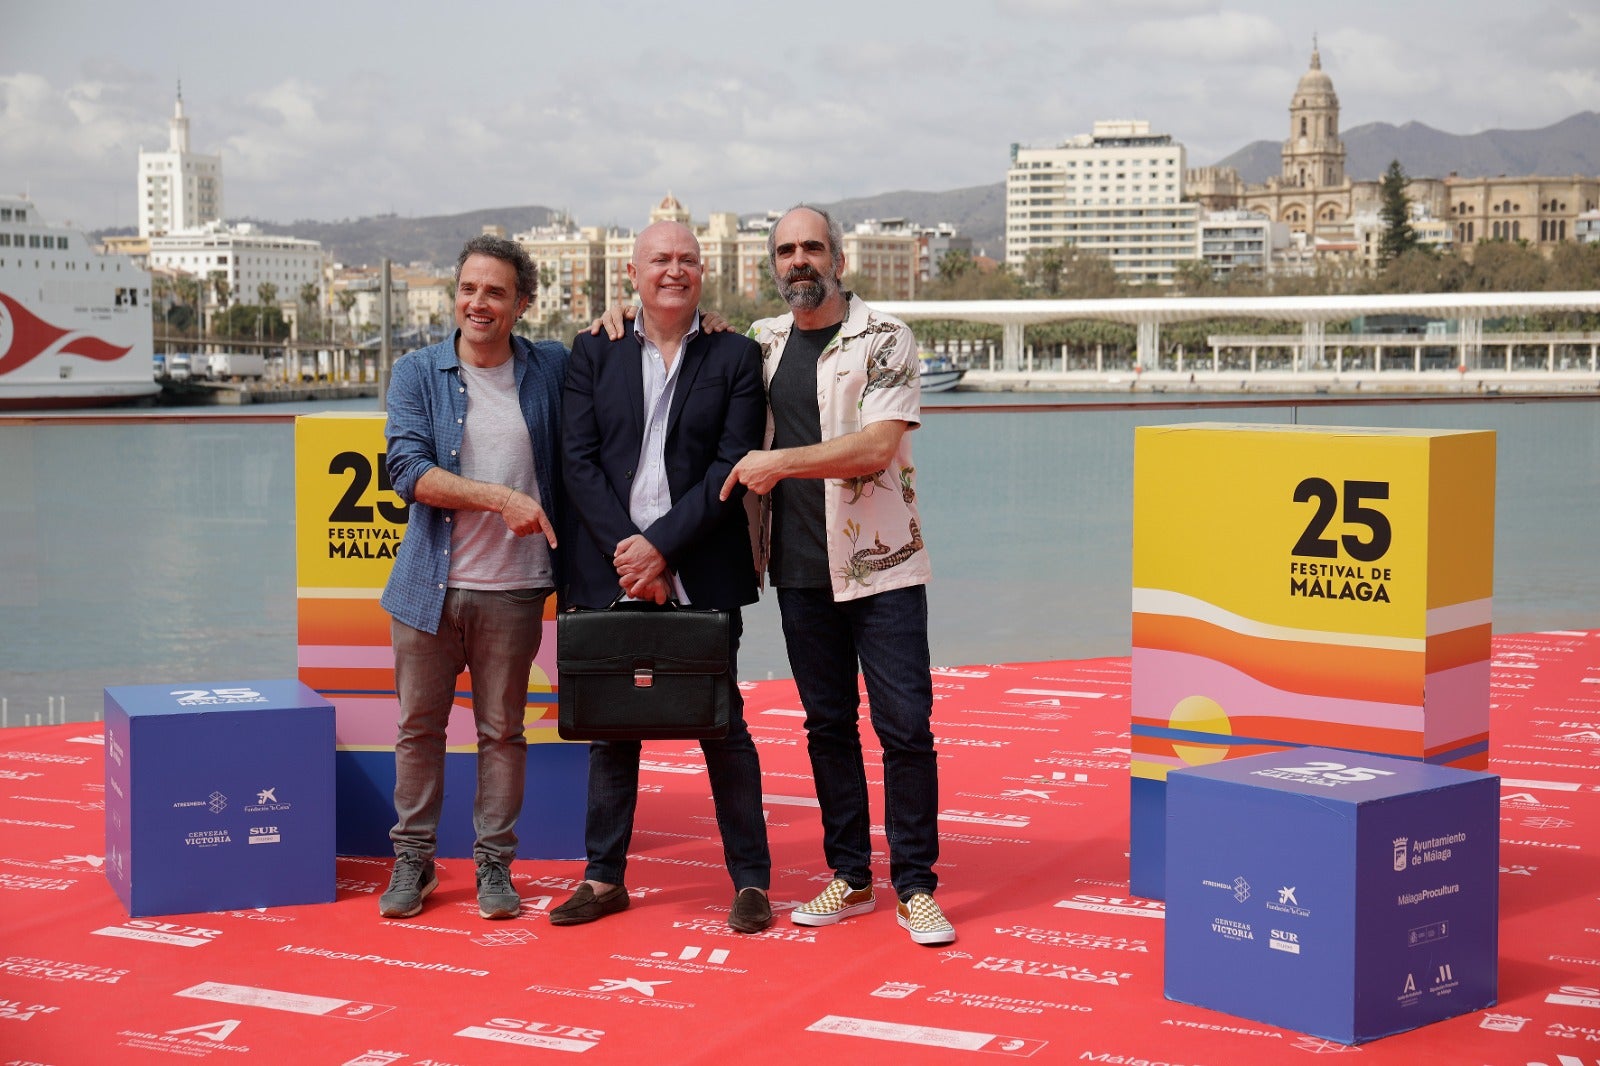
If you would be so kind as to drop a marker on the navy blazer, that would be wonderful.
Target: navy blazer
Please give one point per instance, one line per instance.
(718, 414)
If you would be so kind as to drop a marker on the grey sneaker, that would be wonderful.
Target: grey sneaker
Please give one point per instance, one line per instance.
(496, 896)
(409, 885)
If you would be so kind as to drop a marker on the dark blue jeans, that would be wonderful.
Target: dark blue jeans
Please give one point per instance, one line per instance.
(887, 634)
(735, 773)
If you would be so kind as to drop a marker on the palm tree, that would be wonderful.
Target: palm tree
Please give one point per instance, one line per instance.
(186, 294)
(347, 300)
(187, 286)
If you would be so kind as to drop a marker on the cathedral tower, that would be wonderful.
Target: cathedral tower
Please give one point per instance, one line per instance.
(1313, 155)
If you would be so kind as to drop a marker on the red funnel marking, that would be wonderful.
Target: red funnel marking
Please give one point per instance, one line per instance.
(31, 335)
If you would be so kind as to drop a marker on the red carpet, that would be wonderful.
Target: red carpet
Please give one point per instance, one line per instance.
(1054, 964)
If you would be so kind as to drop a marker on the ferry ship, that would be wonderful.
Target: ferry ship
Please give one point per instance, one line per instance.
(74, 324)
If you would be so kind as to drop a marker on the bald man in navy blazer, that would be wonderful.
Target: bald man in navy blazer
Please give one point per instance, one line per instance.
(652, 424)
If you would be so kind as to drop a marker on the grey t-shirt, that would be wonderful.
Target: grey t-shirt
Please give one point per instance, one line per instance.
(484, 554)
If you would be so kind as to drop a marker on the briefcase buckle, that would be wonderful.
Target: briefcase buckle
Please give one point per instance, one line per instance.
(643, 677)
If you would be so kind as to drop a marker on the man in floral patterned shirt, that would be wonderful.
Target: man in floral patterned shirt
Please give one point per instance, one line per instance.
(842, 543)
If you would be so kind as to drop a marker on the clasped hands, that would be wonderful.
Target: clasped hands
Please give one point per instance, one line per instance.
(642, 570)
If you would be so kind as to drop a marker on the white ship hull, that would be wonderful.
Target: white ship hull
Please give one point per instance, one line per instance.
(74, 324)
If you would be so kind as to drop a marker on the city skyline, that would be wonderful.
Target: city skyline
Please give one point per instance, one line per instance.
(324, 113)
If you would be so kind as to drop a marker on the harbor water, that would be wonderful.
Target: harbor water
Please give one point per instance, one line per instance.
(148, 550)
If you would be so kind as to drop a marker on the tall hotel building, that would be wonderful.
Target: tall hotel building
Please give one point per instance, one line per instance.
(1117, 192)
(178, 189)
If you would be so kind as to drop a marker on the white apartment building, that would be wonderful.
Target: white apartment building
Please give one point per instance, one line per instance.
(1117, 192)
(366, 310)
(1586, 230)
(178, 189)
(245, 257)
(1234, 240)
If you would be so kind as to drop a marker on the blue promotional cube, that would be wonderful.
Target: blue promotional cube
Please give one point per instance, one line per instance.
(219, 795)
(1334, 893)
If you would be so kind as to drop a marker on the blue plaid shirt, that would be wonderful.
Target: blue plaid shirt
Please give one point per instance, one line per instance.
(427, 416)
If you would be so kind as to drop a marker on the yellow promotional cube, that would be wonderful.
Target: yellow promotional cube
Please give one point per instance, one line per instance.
(349, 524)
(1305, 586)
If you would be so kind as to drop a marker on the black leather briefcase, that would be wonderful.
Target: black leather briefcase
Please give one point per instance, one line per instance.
(641, 671)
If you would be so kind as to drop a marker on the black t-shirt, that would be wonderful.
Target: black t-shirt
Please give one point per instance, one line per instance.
(799, 533)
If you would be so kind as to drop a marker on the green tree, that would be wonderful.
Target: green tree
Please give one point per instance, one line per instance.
(1574, 266)
(183, 312)
(347, 302)
(251, 321)
(1246, 279)
(1421, 269)
(1067, 272)
(1395, 212)
(740, 310)
(187, 286)
(1089, 276)
(1195, 277)
(979, 282)
(180, 318)
(1042, 271)
(1507, 266)
(956, 264)
(309, 304)
(863, 286)
(220, 287)
(266, 294)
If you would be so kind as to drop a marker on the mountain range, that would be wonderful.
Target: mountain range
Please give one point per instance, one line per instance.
(1569, 147)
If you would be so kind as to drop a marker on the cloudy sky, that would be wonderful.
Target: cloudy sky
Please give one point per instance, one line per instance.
(345, 108)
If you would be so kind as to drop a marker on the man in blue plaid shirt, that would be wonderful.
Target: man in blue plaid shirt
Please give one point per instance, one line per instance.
(471, 433)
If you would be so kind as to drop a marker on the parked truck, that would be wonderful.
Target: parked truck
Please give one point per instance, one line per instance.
(230, 366)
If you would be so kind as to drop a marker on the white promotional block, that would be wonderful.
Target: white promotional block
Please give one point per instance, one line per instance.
(219, 795)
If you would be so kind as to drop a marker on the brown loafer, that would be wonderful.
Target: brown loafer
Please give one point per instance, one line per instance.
(751, 913)
(585, 906)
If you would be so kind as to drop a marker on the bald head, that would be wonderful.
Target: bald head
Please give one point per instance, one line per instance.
(663, 234)
(666, 270)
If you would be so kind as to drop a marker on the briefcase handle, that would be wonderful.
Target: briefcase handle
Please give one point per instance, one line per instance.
(622, 601)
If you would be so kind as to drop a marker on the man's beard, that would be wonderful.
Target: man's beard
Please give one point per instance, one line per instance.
(806, 290)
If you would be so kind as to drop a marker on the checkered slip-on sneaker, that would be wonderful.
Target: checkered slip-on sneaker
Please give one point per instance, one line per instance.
(836, 901)
(922, 918)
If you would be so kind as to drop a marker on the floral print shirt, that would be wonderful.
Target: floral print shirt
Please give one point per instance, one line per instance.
(869, 372)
